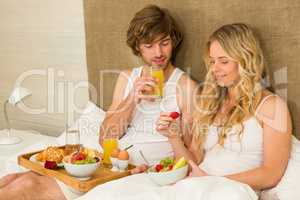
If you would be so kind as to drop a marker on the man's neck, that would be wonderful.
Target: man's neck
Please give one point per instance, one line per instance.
(168, 71)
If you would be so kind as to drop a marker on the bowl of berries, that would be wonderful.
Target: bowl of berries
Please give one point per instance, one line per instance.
(82, 164)
(167, 171)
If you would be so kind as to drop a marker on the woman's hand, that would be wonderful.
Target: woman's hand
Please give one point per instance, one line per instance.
(168, 126)
(196, 171)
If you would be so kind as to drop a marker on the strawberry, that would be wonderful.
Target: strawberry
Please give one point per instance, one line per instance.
(79, 156)
(174, 115)
(170, 167)
(158, 167)
(50, 164)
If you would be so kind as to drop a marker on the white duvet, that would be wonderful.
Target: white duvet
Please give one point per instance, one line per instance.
(140, 187)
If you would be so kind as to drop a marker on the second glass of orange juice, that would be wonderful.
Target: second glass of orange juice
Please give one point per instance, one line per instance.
(109, 144)
(158, 74)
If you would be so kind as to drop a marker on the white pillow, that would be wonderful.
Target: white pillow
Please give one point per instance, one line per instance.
(88, 124)
(288, 187)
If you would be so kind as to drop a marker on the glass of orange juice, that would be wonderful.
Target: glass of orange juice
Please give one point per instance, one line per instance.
(110, 143)
(158, 74)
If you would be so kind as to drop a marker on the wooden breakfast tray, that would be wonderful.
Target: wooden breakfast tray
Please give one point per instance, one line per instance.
(102, 175)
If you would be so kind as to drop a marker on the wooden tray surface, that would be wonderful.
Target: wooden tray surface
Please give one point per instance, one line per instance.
(102, 175)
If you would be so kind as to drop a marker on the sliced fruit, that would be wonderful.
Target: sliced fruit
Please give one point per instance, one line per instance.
(166, 161)
(180, 163)
(50, 164)
(89, 152)
(158, 167)
(77, 157)
(174, 115)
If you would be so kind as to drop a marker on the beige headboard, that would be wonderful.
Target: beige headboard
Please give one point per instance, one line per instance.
(275, 21)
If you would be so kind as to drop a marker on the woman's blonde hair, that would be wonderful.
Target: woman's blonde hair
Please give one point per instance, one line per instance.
(240, 43)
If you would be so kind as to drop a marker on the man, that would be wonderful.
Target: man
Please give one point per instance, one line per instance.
(154, 36)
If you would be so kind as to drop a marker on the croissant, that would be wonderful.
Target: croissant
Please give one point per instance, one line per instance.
(51, 154)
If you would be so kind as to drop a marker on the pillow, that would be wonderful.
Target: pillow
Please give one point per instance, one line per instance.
(88, 124)
(288, 187)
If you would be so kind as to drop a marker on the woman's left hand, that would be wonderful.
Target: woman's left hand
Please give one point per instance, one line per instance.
(196, 171)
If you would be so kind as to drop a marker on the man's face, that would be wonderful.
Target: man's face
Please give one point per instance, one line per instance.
(157, 53)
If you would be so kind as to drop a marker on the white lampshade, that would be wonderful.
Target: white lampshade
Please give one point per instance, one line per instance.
(18, 94)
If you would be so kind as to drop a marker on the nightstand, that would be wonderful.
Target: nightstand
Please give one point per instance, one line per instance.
(9, 153)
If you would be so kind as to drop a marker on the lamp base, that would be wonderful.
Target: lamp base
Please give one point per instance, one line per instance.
(7, 140)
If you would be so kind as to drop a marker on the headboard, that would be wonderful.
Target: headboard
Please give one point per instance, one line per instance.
(276, 22)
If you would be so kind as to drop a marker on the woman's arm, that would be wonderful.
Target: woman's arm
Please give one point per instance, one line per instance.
(180, 137)
(277, 128)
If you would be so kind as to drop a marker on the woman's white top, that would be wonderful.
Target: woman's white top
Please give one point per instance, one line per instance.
(239, 153)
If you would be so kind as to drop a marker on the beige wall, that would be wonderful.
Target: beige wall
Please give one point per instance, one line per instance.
(42, 37)
(276, 22)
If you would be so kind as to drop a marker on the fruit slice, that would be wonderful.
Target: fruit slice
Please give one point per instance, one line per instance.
(78, 156)
(166, 161)
(158, 167)
(89, 152)
(180, 163)
(50, 164)
(174, 115)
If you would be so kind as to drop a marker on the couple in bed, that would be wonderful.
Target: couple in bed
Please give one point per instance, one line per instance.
(234, 133)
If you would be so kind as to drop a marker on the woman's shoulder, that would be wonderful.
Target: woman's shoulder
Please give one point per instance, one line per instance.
(273, 110)
(269, 100)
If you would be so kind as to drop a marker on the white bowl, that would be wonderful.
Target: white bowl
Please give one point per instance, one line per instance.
(168, 177)
(81, 171)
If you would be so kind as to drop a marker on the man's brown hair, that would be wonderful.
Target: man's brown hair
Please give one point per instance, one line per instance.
(150, 22)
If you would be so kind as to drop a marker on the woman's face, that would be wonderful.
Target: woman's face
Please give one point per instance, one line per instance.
(224, 68)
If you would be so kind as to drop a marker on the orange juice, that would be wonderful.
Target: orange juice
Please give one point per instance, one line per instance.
(109, 145)
(158, 74)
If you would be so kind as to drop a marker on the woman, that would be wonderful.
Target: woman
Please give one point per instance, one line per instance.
(241, 131)
(238, 125)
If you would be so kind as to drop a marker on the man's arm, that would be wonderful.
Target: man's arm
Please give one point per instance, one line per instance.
(118, 116)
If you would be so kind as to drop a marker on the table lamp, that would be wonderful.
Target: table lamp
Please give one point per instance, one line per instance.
(16, 96)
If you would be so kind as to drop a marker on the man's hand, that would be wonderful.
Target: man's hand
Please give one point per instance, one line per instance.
(196, 171)
(143, 87)
(168, 125)
(139, 169)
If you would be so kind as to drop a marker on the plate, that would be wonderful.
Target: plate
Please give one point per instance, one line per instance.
(33, 159)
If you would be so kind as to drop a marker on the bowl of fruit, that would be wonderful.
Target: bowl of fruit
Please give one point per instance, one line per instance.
(82, 164)
(167, 171)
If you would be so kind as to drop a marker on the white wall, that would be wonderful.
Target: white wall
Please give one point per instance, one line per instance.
(45, 37)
